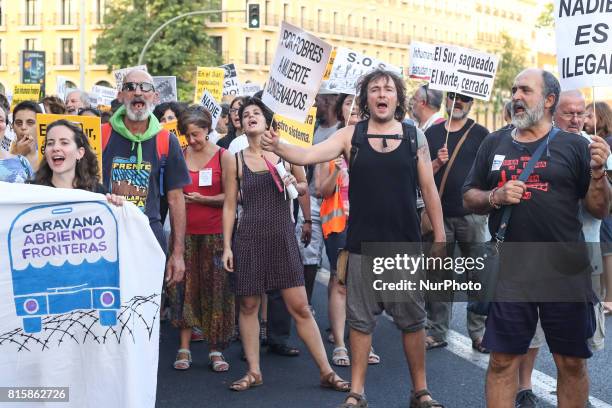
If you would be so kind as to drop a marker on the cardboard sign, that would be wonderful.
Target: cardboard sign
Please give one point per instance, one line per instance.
(172, 127)
(348, 68)
(121, 73)
(297, 133)
(421, 60)
(584, 47)
(90, 124)
(211, 80)
(296, 73)
(102, 95)
(60, 86)
(165, 86)
(231, 85)
(209, 102)
(25, 92)
(330, 64)
(250, 89)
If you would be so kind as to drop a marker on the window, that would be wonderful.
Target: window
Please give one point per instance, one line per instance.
(247, 43)
(30, 16)
(1, 61)
(285, 11)
(104, 83)
(266, 7)
(266, 52)
(319, 18)
(67, 55)
(335, 22)
(66, 12)
(217, 44)
(100, 5)
(1, 14)
(302, 14)
(30, 44)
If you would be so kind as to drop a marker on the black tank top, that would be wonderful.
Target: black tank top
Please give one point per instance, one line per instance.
(382, 195)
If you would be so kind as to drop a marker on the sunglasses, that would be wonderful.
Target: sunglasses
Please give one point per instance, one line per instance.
(462, 98)
(132, 86)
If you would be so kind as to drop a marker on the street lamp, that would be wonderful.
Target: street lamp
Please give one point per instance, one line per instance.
(173, 19)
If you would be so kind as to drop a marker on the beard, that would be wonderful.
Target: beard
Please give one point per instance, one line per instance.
(138, 116)
(458, 115)
(529, 117)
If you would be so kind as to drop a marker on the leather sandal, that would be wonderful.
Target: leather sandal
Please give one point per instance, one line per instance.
(373, 358)
(182, 364)
(333, 381)
(340, 357)
(218, 366)
(415, 403)
(360, 398)
(249, 380)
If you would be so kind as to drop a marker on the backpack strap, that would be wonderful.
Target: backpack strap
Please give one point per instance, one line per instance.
(162, 144)
(359, 135)
(410, 132)
(106, 133)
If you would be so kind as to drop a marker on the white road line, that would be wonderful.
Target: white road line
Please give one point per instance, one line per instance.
(544, 386)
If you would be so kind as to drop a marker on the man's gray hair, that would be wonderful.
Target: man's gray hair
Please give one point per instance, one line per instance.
(83, 96)
(433, 97)
(134, 70)
(551, 87)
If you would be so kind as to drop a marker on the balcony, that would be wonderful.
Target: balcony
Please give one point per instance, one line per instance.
(368, 33)
(3, 61)
(339, 29)
(308, 25)
(253, 58)
(30, 22)
(66, 21)
(273, 20)
(58, 61)
(95, 19)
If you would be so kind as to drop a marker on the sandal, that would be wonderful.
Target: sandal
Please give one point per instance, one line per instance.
(249, 380)
(333, 380)
(431, 343)
(415, 403)
(182, 364)
(218, 366)
(477, 345)
(340, 357)
(373, 358)
(361, 401)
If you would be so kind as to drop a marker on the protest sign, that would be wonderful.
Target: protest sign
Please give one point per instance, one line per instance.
(172, 127)
(60, 86)
(297, 133)
(79, 299)
(476, 72)
(443, 74)
(584, 47)
(25, 92)
(421, 60)
(330, 64)
(209, 102)
(231, 86)
(102, 95)
(165, 86)
(250, 89)
(349, 66)
(296, 73)
(90, 124)
(121, 73)
(211, 80)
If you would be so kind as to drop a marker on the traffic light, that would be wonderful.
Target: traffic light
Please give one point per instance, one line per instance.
(254, 16)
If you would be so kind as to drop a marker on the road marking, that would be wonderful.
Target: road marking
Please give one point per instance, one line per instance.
(544, 386)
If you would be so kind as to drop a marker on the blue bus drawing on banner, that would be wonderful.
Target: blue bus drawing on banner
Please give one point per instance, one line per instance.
(64, 257)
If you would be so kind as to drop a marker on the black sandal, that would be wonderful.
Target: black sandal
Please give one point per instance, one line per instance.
(415, 403)
(360, 398)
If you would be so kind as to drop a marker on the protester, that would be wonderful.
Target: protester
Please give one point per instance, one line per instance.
(602, 120)
(70, 162)
(204, 299)
(24, 125)
(75, 100)
(385, 173)
(548, 214)
(13, 168)
(266, 253)
(89, 112)
(223, 122)
(54, 104)
(131, 166)
(235, 140)
(426, 107)
(168, 111)
(458, 137)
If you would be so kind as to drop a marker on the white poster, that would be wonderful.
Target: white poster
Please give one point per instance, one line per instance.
(60, 87)
(121, 73)
(231, 85)
(165, 86)
(250, 89)
(80, 285)
(476, 71)
(209, 102)
(349, 66)
(584, 47)
(103, 95)
(443, 74)
(421, 60)
(296, 73)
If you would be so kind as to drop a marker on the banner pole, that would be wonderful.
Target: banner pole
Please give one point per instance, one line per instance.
(594, 112)
(346, 120)
(450, 117)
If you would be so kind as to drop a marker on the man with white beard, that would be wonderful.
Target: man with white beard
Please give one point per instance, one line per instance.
(141, 162)
(544, 210)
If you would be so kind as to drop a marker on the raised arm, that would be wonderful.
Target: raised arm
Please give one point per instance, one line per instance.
(597, 200)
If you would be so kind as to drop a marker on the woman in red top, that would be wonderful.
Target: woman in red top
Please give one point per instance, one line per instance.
(204, 298)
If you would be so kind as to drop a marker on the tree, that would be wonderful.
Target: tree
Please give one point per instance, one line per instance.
(177, 50)
(546, 19)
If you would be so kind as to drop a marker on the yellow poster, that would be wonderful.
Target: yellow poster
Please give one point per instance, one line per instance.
(294, 132)
(210, 79)
(172, 127)
(330, 65)
(90, 124)
(25, 92)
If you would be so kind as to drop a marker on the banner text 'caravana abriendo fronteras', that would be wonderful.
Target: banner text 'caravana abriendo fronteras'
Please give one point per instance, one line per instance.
(62, 237)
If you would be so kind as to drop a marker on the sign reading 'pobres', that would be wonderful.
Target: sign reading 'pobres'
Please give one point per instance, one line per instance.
(584, 48)
(296, 73)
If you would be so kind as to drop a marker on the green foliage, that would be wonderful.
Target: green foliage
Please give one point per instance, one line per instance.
(511, 62)
(177, 50)
(546, 19)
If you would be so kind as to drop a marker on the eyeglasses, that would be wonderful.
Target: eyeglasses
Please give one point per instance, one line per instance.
(426, 89)
(462, 98)
(233, 110)
(570, 115)
(132, 86)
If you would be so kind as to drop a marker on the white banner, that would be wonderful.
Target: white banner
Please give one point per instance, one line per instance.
(421, 60)
(443, 74)
(231, 85)
(250, 89)
(584, 47)
(209, 102)
(165, 86)
(296, 73)
(60, 87)
(103, 95)
(80, 285)
(349, 66)
(121, 73)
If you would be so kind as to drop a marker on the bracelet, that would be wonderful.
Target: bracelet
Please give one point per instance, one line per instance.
(307, 222)
(605, 173)
(491, 203)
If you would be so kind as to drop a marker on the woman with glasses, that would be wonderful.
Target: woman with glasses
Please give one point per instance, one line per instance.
(234, 127)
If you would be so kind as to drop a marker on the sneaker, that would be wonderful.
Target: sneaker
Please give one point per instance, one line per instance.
(196, 334)
(526, 399)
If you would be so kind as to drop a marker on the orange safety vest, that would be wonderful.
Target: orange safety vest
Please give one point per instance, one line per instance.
(333, 218)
